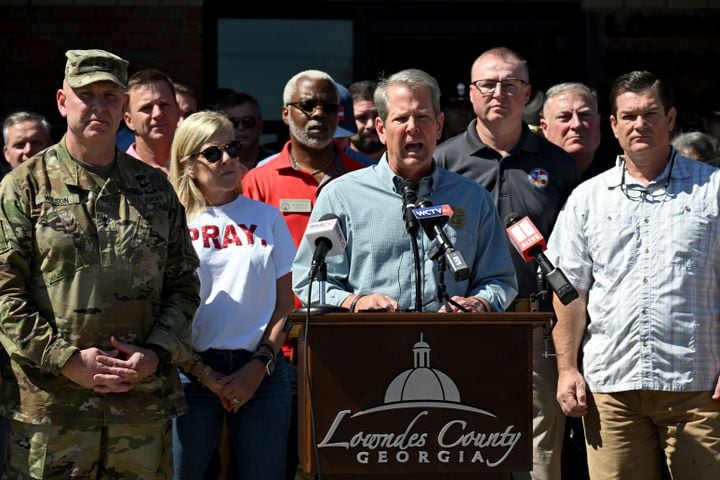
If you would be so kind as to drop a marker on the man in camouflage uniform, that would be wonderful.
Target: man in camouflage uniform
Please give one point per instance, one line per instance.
(97, 295)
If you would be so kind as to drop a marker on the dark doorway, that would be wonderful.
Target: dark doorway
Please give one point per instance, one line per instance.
(442, 38)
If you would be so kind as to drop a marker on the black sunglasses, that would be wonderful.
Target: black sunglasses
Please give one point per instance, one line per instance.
(309, 106)
(214, 154)
(246, 122)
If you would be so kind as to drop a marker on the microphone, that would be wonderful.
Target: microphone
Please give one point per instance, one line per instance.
(326, 239)
(433, 218)
(530, 244)
(408, 189)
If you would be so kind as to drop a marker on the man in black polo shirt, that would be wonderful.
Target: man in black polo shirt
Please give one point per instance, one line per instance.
(529, 176)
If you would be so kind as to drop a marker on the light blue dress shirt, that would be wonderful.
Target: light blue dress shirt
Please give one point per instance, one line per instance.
(651, 264)
(378, 257)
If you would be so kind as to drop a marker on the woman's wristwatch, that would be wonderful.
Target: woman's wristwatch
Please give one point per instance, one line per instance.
(267, 359)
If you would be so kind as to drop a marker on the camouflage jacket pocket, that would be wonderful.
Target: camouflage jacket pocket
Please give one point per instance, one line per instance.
(64, 240)
(147, 235)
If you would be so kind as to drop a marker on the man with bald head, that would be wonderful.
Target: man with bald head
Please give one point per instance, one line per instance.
(528, 176)
(571, 121)
(97, 292)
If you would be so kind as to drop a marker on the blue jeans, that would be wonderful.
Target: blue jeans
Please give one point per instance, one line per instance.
(258, 431)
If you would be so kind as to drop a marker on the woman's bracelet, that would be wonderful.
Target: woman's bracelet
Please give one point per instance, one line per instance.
(205, 372)
(355, 300)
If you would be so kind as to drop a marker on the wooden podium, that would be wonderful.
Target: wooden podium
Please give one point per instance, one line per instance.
(415, 395)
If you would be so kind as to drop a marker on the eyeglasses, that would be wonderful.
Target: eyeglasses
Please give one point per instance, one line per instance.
(246, 122)
(214, 154)
(635, 192)
(511, 86)
(309, 106)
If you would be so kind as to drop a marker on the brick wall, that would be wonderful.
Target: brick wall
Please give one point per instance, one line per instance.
(35, 37)
(168, 34)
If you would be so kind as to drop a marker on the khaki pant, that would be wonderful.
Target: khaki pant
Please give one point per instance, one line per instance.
(548, 418)
(130, 452)
(626, 431)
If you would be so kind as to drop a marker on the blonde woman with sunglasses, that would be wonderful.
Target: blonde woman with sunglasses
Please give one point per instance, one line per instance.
(246, 254)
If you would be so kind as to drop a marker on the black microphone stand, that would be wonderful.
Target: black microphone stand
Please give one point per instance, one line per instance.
(408, 190)
(416, 259)
(322, 307)
(541, 296)
(436, 255)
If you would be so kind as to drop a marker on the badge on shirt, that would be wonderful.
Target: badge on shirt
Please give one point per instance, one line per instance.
(458, 218)
(295, 205)
(539, 178)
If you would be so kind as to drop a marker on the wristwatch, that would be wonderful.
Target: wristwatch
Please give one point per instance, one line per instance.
(267, 359)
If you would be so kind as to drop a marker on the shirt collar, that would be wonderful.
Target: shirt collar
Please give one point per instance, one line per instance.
(426, 184)
(679, 170)
(284, 162)
(529, 142)
(72, 173)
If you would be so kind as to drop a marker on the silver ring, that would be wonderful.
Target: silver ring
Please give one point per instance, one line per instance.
(236, 400)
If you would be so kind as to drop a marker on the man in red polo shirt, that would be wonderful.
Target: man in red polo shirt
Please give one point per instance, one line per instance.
(310, 158)
(307, 162)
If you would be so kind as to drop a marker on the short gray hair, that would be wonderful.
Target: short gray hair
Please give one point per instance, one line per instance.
(566, 87)
(412, 78)
(19, 117)
(291, 85)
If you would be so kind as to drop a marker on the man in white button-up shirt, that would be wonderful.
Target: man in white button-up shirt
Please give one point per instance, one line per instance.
(640, 244)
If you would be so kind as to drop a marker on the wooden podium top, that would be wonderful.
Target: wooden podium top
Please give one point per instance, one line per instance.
(535, 319)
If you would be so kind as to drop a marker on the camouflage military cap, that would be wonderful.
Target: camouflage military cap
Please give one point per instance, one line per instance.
(84, 67)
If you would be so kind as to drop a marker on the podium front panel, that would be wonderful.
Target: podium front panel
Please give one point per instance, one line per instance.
(416, 397)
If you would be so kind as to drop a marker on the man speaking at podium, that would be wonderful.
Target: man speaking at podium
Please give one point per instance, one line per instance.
(375, 205)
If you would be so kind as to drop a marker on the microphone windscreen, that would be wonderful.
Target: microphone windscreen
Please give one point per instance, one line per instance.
(526, 238)
(328, 227)
(405, 186)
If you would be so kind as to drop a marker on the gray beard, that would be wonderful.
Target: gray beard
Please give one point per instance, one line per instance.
(311, 142)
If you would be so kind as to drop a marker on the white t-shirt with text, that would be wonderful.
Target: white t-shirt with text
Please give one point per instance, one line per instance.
(244, 246)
